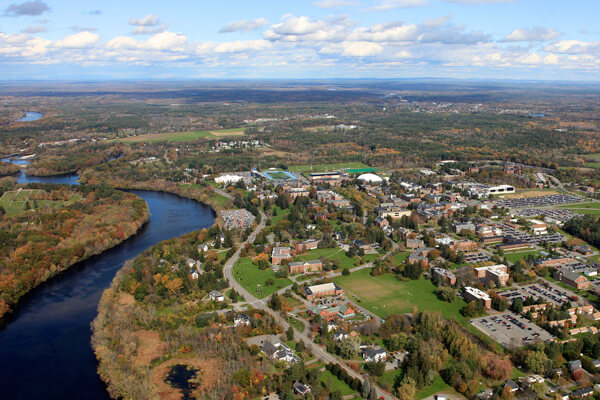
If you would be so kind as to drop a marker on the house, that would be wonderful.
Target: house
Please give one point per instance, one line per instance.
(382, 222)
(485, 395)
(324, 289)
(340, 311)
(574, 365)
(215, 295)
(241, 319)
(374, 354)
(280, 352)
(596, 363)
(301, 389)
(582, 392)
(279, 254)
(511, 385)
(302, 267)
(572, 279)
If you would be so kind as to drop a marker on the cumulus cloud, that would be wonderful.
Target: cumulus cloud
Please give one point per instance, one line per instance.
(148, 25)
(28, 8)
(244, 25)
(573, 47)
(79, 40)
(335, 3)
(478, 2)
(304, 29)
(242, 46)
(386, 5)
(35, 29)
(536, 34)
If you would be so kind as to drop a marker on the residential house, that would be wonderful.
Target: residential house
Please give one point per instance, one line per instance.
(241, 319)
(301, 389)
(216, 295)
(574, 365)
(280, 352)
(374, 354)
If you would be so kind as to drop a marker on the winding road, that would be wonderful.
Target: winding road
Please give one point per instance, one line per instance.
(317, 350)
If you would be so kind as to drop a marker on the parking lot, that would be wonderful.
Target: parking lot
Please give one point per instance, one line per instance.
(540, 201)
(474, 258)
(512, 235)
(547, 291)
(511, 330)
(562, 215)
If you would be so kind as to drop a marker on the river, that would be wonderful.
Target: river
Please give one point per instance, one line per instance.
(45, 350)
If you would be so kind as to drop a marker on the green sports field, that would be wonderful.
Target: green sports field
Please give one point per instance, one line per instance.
(385, 295)
(337, 255)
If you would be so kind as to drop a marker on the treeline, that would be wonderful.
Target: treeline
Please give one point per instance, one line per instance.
(586, 228)
(44, 240)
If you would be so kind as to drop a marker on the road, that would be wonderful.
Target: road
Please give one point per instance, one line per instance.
(317, 351)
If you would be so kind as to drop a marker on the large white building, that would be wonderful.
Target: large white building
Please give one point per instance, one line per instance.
(370, 178)
(228, 179)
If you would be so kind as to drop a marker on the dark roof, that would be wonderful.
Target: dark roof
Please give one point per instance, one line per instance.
(511, 384)
(582, 391)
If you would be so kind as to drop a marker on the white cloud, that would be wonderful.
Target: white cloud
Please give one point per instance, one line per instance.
(79, 40)
(479, 2)
(536, 34)
(386, 5)
(35, 29)
(148, 20)
(573, 47)
(335, 3)
(244, 25)
(166, 41)
(361, 49)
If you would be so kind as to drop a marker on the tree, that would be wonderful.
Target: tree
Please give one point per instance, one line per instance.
(446, 293)
(498, 369)
(517, 306)
(376, 368)
(537, 362)
(290, 333)
(346, 271)
(366, 388)
(348, 348)
(407, 389)
(275, 302)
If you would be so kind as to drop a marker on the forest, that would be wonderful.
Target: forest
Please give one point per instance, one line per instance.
(56, 227)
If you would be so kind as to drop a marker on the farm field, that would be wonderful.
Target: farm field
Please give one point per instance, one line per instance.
(249, 276)
(15, 201)
(326, 167)
(183, 136)
(385, 295)
(337, 255)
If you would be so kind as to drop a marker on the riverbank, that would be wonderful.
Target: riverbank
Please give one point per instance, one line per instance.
(59, 234)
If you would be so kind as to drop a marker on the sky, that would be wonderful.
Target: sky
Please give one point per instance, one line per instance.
(319, 39)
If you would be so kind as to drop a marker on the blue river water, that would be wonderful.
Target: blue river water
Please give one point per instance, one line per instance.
(30, 116)
(45, 350)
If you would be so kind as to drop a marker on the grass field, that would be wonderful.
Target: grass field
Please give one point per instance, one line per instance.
(437, 386)
(14, 201)
(514, 257)
(183, 136)
(249, 276)
(385, 295)
(337, 255)
(325, 167)
(281, 214)
(400, 257)
(333, 383)
(591, 204)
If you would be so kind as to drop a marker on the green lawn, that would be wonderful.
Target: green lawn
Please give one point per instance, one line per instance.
(592, 204)
(332, 382)
(183, 136)
(592, 164)
(587, 211)
(400, 257)
(385, 295)
(281, 214)
(325, 167)
(14, 201)
(337, 255)
(249, 276)
(514, 257)
(437, 386)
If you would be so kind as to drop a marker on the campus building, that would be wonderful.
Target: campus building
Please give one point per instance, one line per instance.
(471, 293)
(279, 254)
(325, 289)
(497, 274)
(303, 267)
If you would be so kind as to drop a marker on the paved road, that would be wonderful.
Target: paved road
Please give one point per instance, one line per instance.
(318, 351)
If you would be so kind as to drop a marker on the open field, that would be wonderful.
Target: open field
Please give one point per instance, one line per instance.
(516, 256)
(183, 136)
(14, 201)
(438, 386)
(400, 257)
(249, 276)
(333, 383)
(530, 193)
(337, 255)
(325, 167)
(591, 204)
(385, 295)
